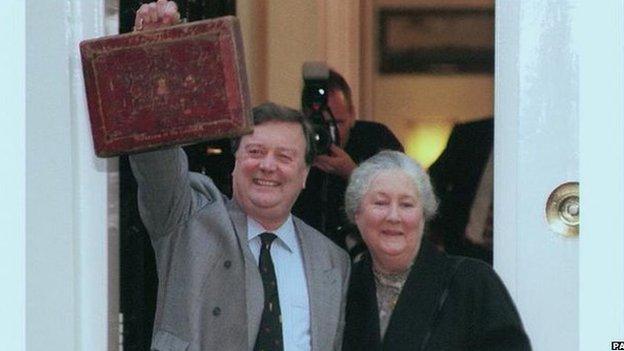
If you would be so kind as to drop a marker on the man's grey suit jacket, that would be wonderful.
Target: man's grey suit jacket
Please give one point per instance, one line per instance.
(210, 294)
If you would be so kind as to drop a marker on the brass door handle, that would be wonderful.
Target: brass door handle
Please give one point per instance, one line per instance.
(563, 209)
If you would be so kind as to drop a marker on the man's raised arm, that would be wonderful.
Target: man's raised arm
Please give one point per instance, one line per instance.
(164, 194)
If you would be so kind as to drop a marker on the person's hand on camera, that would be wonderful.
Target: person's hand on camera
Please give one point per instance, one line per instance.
(154, 15)
(337, 162)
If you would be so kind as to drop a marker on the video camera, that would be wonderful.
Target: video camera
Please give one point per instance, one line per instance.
(314, 106)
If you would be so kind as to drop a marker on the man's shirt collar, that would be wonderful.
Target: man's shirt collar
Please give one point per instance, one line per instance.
(285, 233)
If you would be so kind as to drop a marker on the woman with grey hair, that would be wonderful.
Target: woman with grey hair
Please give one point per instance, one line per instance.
(405, 294)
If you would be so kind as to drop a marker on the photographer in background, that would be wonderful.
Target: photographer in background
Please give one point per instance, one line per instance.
(358, 141)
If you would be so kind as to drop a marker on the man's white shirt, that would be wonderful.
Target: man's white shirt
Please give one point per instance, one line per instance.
(292, 284)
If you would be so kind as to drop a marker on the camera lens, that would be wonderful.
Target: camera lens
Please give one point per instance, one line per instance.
(323, 139)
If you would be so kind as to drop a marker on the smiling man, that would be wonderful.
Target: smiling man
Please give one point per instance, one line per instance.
(270, 170)
(222, 284)
(240, 274)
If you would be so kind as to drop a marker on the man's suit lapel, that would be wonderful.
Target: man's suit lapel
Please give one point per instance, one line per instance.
(323, 289)
(253, 281)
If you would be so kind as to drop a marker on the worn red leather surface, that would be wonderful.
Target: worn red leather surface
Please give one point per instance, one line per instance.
(170, 86)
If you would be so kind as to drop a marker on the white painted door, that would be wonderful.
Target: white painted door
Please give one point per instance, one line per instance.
(559, 66)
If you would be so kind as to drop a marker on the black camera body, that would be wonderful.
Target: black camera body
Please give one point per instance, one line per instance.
(314, 106)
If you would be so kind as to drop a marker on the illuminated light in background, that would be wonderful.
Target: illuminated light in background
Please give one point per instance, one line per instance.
(213, 151)
(427, 139)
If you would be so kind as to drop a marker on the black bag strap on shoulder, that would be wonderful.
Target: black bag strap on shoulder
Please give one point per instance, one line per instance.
(440, 304)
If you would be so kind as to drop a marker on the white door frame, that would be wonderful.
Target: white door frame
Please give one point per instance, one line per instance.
(69, 300)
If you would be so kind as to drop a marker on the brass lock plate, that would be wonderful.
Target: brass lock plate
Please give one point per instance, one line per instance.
(563, 209)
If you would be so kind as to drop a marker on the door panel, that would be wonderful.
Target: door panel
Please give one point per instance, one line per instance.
(536, 150)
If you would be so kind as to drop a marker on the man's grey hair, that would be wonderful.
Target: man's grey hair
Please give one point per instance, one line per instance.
(362, 177)
(268, 112)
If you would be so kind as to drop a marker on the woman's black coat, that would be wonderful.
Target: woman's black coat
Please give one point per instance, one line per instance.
(447, 303)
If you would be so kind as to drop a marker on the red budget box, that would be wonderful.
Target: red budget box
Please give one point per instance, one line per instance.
(171, 86)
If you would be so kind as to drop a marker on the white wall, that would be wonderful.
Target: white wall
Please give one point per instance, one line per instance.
(601, 107)
(279, 36)
(422, 106)
(291, 40)
(400, 99)
(12, 178)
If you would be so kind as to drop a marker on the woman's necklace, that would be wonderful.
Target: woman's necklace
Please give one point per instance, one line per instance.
(388, 288)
